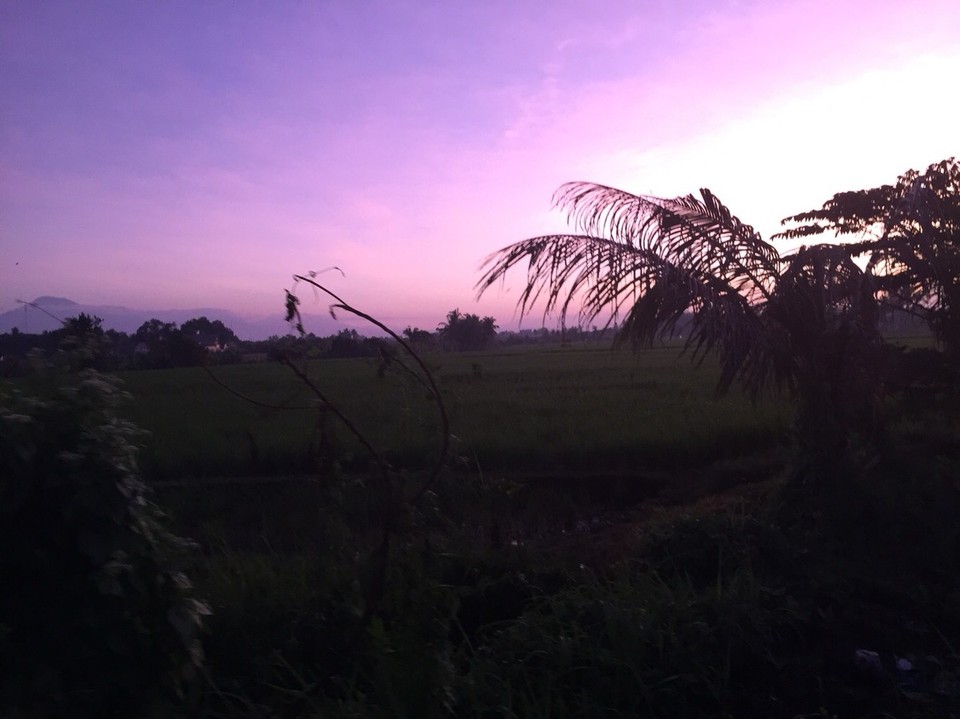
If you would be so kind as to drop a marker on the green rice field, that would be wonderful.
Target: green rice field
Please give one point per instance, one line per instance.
(530, 409)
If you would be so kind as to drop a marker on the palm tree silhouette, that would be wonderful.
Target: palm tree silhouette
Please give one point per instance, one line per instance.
(805, 322)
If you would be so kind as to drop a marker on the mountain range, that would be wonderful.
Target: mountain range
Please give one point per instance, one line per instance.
(47, 313)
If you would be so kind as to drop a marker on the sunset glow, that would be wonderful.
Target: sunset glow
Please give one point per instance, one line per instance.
(181, 154)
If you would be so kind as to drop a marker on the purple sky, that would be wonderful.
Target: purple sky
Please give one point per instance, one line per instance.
(186, 154)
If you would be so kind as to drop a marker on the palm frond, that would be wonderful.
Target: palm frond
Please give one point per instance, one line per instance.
(720, 321)
(825, 313)
(823, 279)
(686, 231)
(652, 260)
(598, 273)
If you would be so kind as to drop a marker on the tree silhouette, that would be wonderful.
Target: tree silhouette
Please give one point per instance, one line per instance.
(83, 325)
(417, 336)
(806, 322)
(167, 346)
(467, 332)
(911, 233)
(85, 342)
(209, 332)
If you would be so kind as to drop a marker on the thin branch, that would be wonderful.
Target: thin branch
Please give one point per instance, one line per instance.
(247, 398)
(340, 303)
(327, 405)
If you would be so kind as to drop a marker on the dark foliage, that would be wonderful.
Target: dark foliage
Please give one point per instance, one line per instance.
(163, 344)
(910, 232)
(207, 333)
(155, 345)
(95, 617)
(467, 332)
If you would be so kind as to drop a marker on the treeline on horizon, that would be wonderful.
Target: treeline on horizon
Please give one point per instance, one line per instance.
(199, 341)
(164, 345)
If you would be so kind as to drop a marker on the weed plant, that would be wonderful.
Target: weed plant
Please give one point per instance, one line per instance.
(96, 615)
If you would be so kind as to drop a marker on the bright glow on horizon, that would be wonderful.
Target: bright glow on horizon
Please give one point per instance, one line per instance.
(183, 155)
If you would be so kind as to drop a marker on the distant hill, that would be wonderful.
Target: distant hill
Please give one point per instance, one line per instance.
(48, 301)
(46, 313)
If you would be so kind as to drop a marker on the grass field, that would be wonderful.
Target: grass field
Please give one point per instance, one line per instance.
(525, 409)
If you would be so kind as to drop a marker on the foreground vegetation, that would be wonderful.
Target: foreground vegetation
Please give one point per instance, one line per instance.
(691, 586)
(713, 594)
